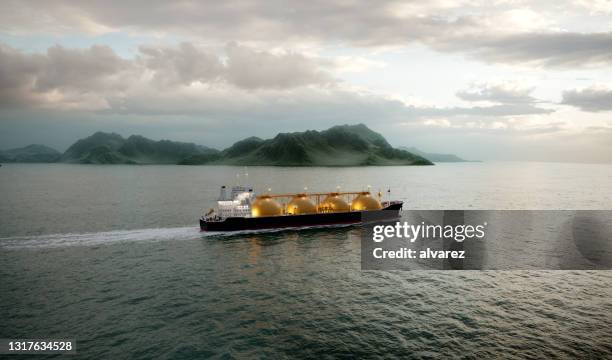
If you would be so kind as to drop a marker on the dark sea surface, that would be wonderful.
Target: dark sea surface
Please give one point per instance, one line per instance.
(112, 257)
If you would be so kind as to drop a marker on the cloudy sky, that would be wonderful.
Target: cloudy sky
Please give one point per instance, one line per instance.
(491, 80)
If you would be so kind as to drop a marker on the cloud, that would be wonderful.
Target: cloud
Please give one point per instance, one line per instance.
(181, 65)
(291, 65)
(242, 66)
(95, 78)
(76, 69)
(507, 99)
(195, 92)
(551, 49)
(72, 77)
(595, 6)
(504, 93)
(493, 33)
(593, 99)
(497, 110)
(251, 69)
(187, 80)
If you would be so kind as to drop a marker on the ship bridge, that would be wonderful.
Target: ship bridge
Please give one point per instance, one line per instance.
(237, 203)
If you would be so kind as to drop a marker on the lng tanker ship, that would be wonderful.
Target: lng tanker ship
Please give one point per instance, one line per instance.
(242, 210)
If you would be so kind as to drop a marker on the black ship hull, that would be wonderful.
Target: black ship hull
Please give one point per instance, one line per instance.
(390, 211)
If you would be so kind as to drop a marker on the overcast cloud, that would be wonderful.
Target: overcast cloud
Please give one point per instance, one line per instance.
(495, 32)
(431, 74)
(504, 93)
(594, 98)
(184, 80)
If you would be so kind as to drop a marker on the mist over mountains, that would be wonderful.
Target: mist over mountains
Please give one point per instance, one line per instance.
(111, 148)
(435, 157)
(31, 154)
(344, 145)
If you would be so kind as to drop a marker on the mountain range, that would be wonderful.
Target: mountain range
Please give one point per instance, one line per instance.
(111, 148)
(30, 154)
(345, 145)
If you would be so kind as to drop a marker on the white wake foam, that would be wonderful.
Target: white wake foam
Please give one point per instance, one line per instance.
(137, 235)
(102, 238)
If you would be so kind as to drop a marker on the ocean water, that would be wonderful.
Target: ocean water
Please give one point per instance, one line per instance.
(112, 256)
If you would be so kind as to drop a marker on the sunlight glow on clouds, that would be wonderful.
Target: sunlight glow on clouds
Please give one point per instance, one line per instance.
(523, 71)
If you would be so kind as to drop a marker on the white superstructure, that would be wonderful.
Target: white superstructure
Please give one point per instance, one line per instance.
(237, 204)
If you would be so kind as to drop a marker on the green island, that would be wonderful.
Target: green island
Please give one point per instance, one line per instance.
(344, 145)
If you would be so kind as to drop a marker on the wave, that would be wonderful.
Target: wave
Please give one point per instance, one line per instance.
(101, 238)
(136, 235)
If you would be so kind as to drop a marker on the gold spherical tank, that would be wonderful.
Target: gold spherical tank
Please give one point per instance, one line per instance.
(301, 204)
(265, 206)
(333, 203)
(364, 201)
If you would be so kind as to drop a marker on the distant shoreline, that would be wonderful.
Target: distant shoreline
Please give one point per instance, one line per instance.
(338, 146)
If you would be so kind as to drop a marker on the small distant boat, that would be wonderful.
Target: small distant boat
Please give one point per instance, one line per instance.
(242, 210)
